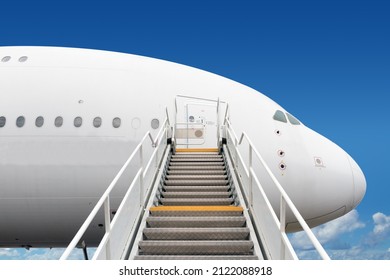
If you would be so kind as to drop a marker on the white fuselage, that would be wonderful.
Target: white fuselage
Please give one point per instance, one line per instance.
(52, 175)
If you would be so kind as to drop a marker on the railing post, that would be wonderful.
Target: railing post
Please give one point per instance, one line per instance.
(107, 224)
(218, 126)
(250, 176)
(235, 149)
(282, 215)
(141, 177)
(156, 147)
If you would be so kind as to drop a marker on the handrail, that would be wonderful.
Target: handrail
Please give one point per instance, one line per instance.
(105, 199)
(285, 199)
(198, 98)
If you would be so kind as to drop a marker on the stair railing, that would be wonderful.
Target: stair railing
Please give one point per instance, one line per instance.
(115, 238)
(272, 228)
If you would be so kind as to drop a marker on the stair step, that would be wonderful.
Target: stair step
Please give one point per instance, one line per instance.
(195, 177)
(196, 247)
(190, 188)
(197, 167)
(197, 156)
(196, 233)
(196, 201)
(196, 194)
(196, 257)
(197, 150)
(217, 163)
(204, 211)
(195, 171)
(196, 159)
(196, 182)
(199, 153)
(193, 222)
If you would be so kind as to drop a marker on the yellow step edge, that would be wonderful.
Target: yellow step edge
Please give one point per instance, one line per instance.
(197, 208)
(204, 150)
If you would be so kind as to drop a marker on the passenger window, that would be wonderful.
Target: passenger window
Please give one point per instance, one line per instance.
(39, 122)
(155, 123)
(2, 121)
(20, 121)
(280, 116)
(58, 121)
(78, 121)
(97, 122)
(292, 119)
(116, 122)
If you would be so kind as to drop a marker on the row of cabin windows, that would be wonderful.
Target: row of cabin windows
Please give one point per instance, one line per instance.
(281, 117)
(59, 121)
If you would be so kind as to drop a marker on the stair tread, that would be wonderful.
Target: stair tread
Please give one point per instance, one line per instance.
(200, 159)
(196, 188)
(196, 233)
(196, 156)
(184, 163)
(196, 177)
(195, 221)
(196, 182)
(196, 257)
(202, 172)
(196, 194)
(198, 208)
(196, 247)
(234, 229)
(196, 167)
(196, 201)
(204, 211)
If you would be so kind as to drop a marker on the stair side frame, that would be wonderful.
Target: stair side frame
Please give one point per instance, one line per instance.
(253, 233)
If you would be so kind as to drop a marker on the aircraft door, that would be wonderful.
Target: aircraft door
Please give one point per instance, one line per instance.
(197, 124)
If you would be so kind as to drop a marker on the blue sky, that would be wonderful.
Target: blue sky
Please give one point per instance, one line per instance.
(327, 62)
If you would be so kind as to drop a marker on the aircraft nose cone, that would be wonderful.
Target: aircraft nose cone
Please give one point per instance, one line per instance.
(359, 181)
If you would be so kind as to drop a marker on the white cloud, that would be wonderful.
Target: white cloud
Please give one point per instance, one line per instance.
(41, 254)
(44, 254)
(329, 232)
(8, 253)
(382, 224)
(347, 223)
(331, 235)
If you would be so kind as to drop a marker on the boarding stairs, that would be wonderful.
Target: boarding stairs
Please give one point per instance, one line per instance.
(196, 212)
(185, 203)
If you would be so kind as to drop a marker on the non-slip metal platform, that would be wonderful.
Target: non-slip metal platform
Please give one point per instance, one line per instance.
(196, 233)
(203, 211)
(193, 222)
(195, 247)
(193, 163)
(196, 257)
(196, 182)
(190, 188)
(194, 171)
(197, 150)
(197, 201)
(197, 194)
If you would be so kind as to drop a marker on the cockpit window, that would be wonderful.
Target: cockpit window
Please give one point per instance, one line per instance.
(280, 116)
(292, 119)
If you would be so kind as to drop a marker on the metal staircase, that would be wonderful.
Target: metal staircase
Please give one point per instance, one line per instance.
(196, 212)
(193, 204)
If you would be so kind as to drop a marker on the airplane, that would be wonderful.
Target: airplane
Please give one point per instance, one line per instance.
(69, 119)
